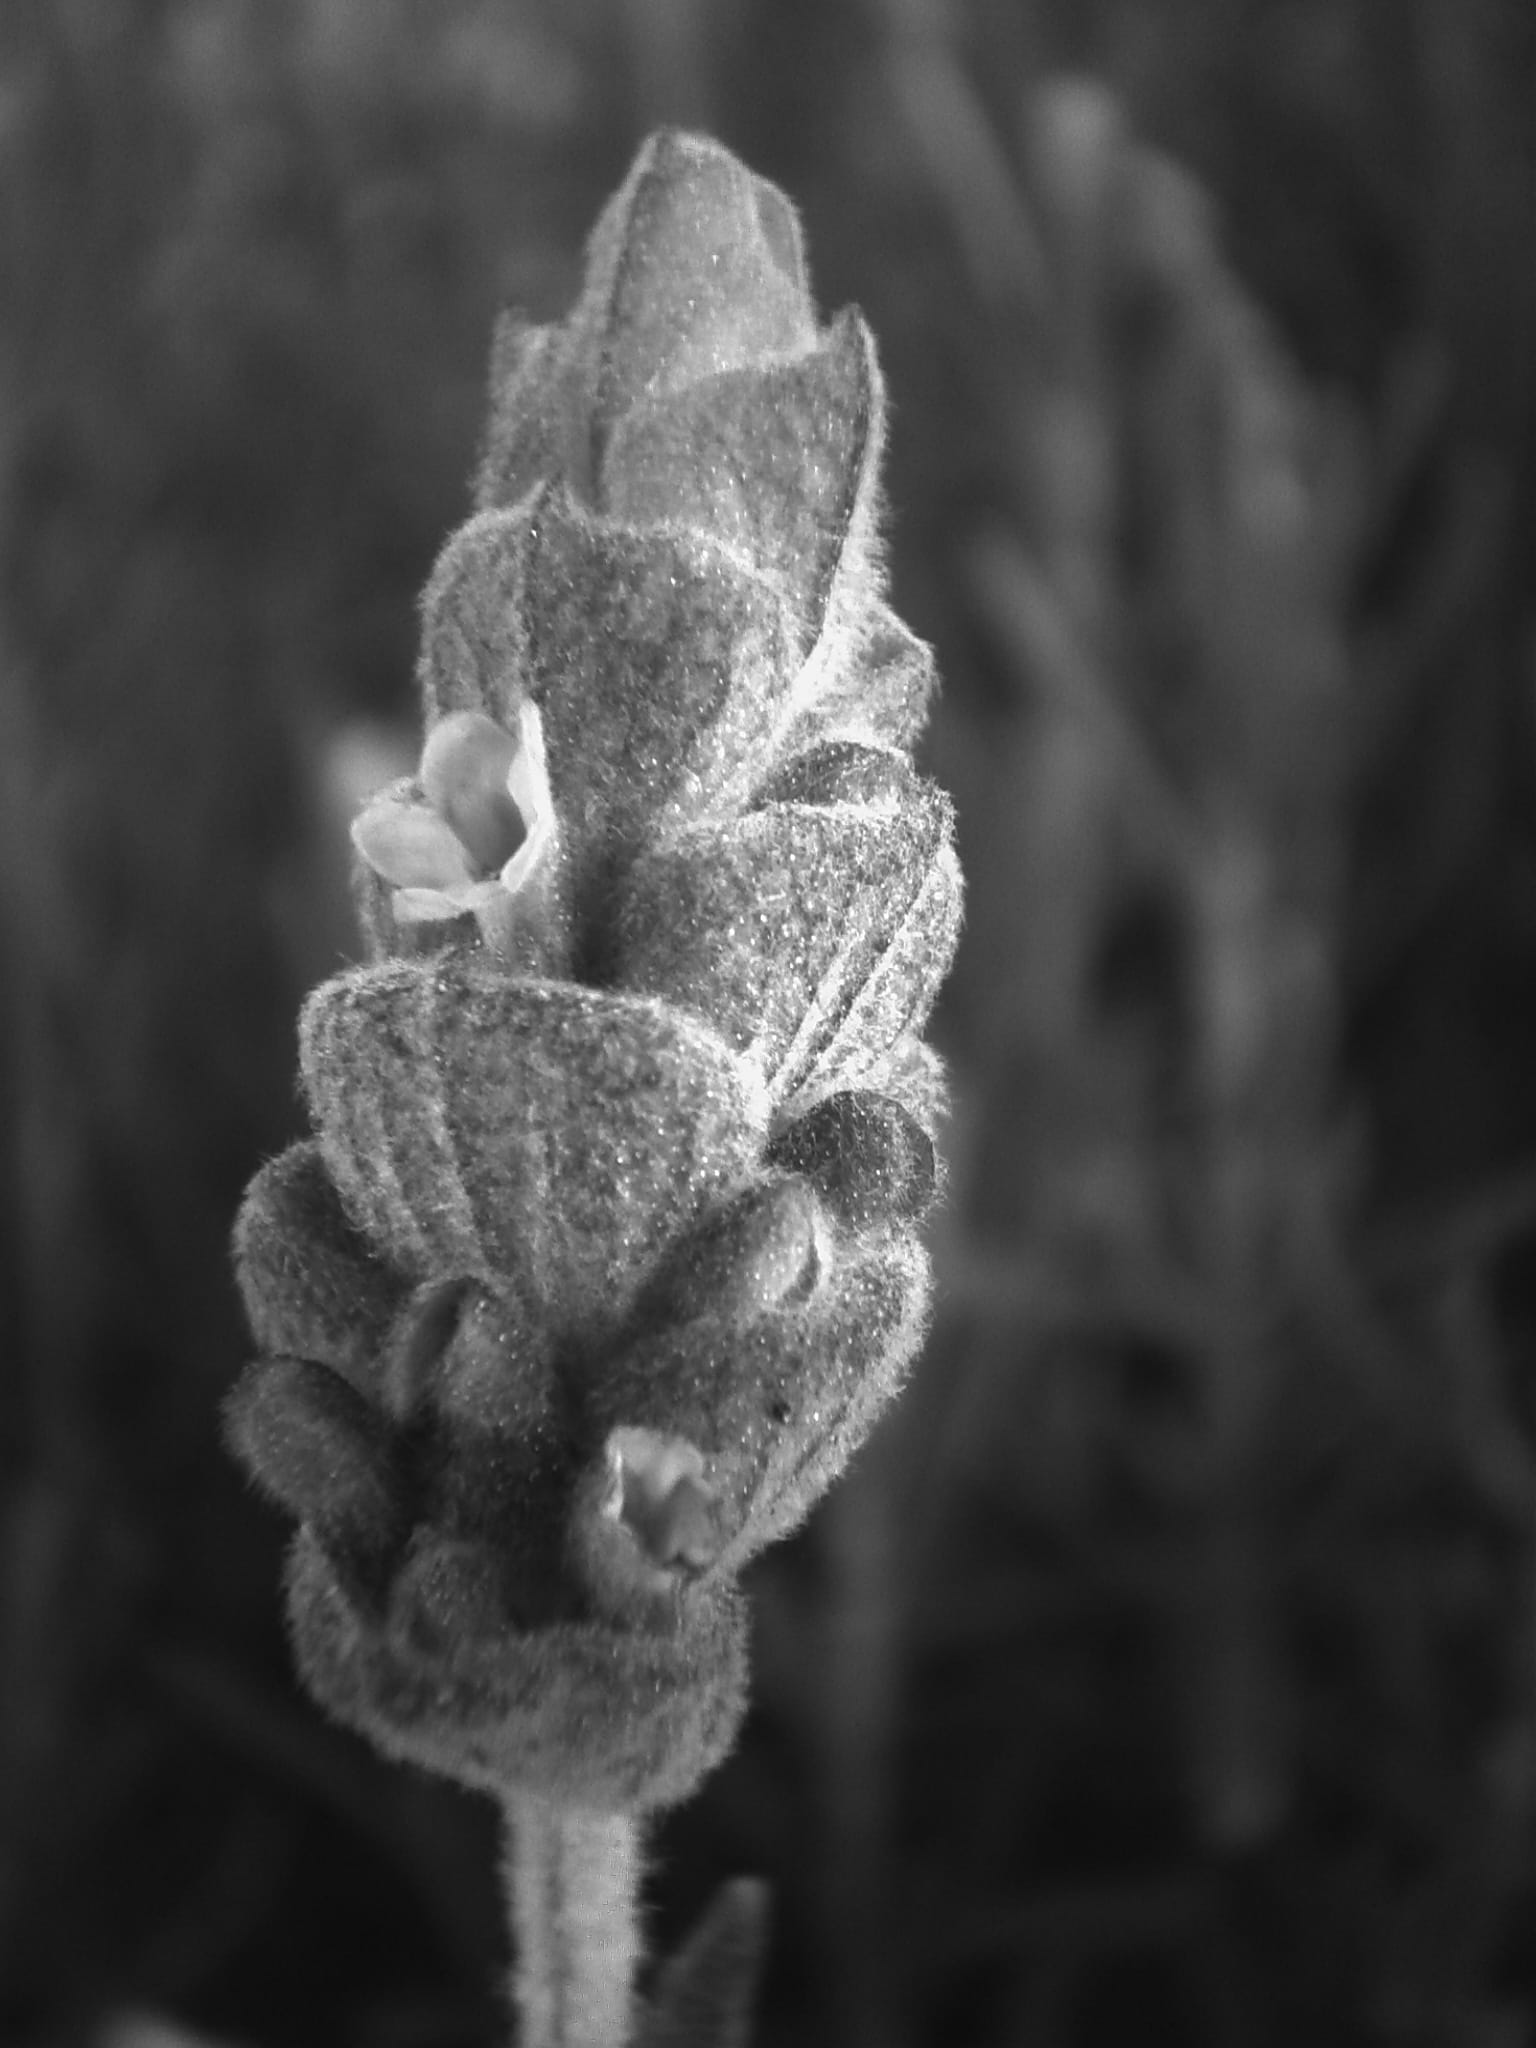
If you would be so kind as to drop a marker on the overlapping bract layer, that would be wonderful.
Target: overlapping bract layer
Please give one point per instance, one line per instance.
(604, 1255)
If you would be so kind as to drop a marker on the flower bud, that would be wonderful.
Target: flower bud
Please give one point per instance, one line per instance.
(321, 1450)
(867, 1156)
(768, 1246)
(694, 268)
(311, 1285)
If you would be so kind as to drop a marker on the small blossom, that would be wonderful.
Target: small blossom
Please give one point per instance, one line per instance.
(480, 836)
(659, 1493)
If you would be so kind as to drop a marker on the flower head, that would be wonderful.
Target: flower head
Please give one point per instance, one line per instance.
(604, 1257)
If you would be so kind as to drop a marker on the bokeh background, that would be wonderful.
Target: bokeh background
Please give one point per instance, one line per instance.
(1166, 1669)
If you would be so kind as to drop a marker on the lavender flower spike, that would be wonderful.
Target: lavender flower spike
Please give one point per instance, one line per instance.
(604, 1254)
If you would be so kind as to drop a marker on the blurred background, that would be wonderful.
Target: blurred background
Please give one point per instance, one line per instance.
(1166, 1669)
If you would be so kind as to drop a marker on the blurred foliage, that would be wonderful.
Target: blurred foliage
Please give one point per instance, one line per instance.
(1167, 1663)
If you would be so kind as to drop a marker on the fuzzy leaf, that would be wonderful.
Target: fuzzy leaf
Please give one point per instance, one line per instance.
(471, 1352)
(777, 1403)
(868, 1158)
(472, 1374)
(768, 1246)
(695, 267)
(535, 414)
(843, 772)
(810, 937)
(319, 1449)
(661, 666)
(879, 696)
(551, 1134)
(778, 463)
(310, 1284)
(580, 1712)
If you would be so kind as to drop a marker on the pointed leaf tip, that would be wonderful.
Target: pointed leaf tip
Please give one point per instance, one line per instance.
(704, 1995)
(692, 271)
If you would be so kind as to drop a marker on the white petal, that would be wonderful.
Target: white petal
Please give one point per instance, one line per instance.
(528, 787)
(425, 906)
(464, 770)
(662, 1496)
(407, 843)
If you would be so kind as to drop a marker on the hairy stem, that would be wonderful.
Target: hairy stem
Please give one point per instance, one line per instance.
(572, 1880)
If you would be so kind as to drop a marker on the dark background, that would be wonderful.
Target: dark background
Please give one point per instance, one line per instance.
(1165, 1668)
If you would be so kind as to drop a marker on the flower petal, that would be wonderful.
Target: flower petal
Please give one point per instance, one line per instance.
(410, 845)
(528, 787)
(465, 774)
(662, 1498)
(431, 906)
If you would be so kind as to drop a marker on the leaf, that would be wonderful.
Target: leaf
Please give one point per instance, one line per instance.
(310, 1284)
(778, 1401)
(551, 1134)
(580, 1712)
(696, 266)
(778, 462)
(810, 936)
(704, 1994)
(661, 664)
(768, 1247)
(869, 1159)
(320, 1449)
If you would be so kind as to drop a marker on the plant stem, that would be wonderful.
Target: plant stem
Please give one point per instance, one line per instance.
(572, 1881)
